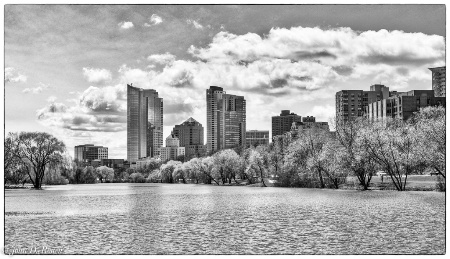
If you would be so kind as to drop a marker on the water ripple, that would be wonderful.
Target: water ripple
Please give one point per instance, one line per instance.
(201, 219)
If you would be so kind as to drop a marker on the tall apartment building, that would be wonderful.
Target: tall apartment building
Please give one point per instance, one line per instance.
(257, 137)
(144, 123)
(438, 81)
(172, 150)
(402, 105)
(283, 123)
(87, 153)
(225, 119)
(191, 136)
(350, 103)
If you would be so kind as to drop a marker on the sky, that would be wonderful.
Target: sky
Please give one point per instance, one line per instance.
(67, 66)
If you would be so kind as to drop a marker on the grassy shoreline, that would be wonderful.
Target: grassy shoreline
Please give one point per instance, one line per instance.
(414, 183)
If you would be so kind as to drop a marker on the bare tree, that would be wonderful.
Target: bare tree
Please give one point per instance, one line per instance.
(355, 157)
(331, 157)
(204, 166)
(393, 145)
(430, 132)
(167, 170)
(36, 150)
(315, 139)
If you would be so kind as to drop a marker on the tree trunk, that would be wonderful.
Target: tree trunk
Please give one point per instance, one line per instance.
(439, 171)
(322, 184)
(336, 183)
(37, 183)
(262, 180)
(222, 176)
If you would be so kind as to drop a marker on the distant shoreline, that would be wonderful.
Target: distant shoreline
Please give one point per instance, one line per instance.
(415, 183)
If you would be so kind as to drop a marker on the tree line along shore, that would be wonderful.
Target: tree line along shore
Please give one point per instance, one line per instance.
(354, 156)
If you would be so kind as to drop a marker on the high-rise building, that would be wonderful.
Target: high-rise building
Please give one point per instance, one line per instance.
(282, 124)
(144, 123)
(402, 105)
(190, 133)
(172, 150)
(438, 81)
(88, 152)
(350, 103)
(257, 137)
(225, 119)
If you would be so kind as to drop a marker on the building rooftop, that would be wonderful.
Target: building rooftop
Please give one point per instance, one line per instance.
(286, 113)
(190, 122)
(215, 88)
(436, 68)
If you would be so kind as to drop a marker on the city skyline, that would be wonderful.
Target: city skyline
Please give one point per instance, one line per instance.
(290, 61)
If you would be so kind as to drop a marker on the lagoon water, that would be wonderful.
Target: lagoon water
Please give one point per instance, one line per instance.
(202, 219)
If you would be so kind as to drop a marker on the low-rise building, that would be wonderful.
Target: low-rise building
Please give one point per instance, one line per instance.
(257, 137)
(88, 152)
(113, 163)
(193, 151)
(310, 122)
(172, 150)
(141, 162)
(402, 105)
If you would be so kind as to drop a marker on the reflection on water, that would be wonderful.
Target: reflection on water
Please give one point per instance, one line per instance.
(201, 219)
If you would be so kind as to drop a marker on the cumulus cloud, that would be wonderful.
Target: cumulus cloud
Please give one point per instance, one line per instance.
(73, 119)
(51, 99)
(338, 46)
(162, 59)
(98, 110)
(338, 54)
(154, 20)
(128, 75)
(97, 75)
(196, 24)
(11, 75)
(36, 90)
(126, 25)
(109, 99)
